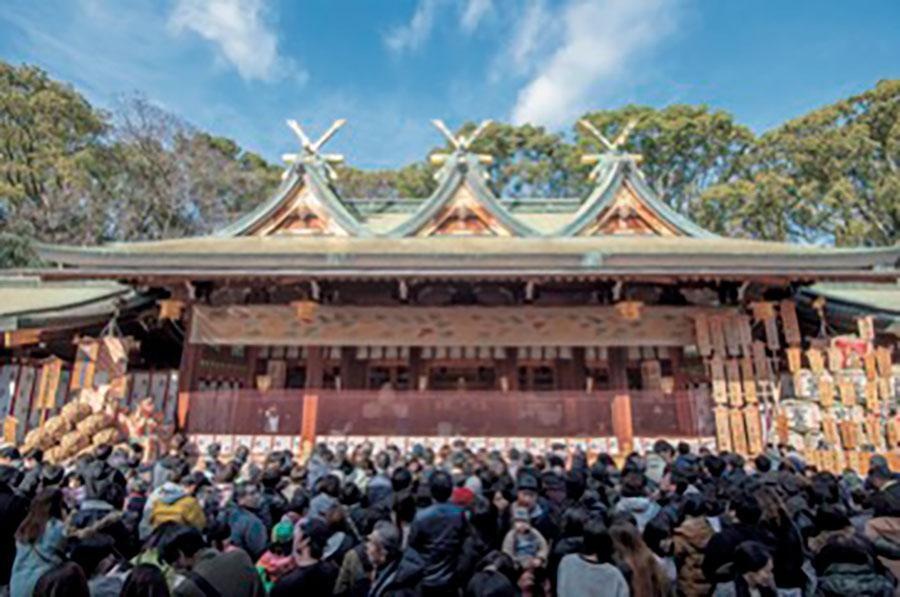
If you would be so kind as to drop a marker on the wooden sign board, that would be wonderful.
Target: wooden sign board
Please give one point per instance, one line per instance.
(733, 375)
(830, 430)
(847, 391)
(826, 391)
(872, 396)
(701, 326)
(794, 359)
(761, 362)
(789, 323)
(717, 334)
(849, 434)
(732, 336)
(753, 424)
(746, 333)
(869, 363)
(782, 426)
(719, 384)
(883, 360)
(835, 359)
(816, 360)
(749, 382)
(723, 429)
(738, 431)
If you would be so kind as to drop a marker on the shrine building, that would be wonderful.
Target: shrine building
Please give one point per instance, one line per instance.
(607, 319)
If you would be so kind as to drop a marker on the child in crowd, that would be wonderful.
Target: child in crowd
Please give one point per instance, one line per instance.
(523, 543)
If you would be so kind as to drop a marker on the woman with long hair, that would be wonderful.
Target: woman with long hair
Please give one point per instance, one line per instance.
(66, 580)
(789, 552)
(145, 580)
(40, 542)
(648, 578)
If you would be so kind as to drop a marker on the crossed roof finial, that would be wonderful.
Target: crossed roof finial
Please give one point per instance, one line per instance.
(461, 143)
(613, 148)
(310, 153)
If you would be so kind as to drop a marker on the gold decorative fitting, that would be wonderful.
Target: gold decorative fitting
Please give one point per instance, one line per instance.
(305, 310)
(170, 309)
(629, 310)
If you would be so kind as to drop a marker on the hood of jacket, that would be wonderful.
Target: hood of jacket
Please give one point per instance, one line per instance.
(169, 493)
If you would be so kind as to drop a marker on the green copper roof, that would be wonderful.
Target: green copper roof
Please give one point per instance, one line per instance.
(299, 174)
(604, 194)
(28, 302)
(844, 302)
(461, 169)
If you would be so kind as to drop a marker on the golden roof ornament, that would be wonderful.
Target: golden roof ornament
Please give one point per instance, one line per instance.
(461, 143)
(613, 151)
(310, 152)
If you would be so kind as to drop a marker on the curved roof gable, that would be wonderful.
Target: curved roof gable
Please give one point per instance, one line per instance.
(623, 203)
(304, 205)
(462, 204)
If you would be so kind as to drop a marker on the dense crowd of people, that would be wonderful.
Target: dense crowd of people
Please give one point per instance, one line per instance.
(356, 521)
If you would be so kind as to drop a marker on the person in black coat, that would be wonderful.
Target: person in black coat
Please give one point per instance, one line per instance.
(13, 508)
(481, 536)
(719, 552)
(788, 549)
(437, 533)
(313, 576)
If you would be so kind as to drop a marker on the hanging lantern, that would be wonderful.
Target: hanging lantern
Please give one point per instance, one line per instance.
(170, 309)
(305, 310)
(629, 310)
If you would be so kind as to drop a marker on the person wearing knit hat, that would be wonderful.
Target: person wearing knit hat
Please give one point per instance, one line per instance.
(278, 561)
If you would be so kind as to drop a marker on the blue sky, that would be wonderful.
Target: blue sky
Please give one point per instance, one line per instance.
(241, 67)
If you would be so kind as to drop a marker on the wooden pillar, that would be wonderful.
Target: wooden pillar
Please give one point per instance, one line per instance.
(676, 357)
(190, 355)
(415, 367)
(684, 413)
(315, 366)
(510, 368)
(622, 423)
(579, 369)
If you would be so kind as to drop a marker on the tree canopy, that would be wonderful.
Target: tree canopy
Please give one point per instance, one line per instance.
(72, 173)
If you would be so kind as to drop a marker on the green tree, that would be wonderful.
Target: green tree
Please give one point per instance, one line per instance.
(51, 156)
(528, 161)
(832, 175)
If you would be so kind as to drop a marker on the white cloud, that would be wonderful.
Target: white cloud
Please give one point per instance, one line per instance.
(533, 30)
(239, 29)
(473, 13)
(415, 33)
(596, 43)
